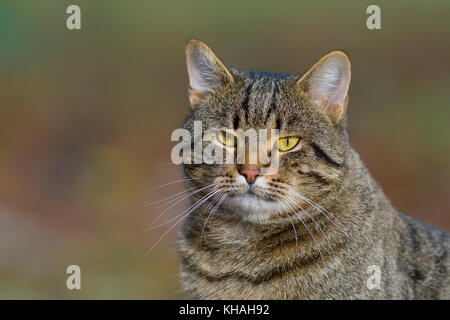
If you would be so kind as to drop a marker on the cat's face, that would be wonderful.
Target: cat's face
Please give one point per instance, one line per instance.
(311, 144)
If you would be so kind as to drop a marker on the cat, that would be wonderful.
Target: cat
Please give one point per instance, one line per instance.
(319, 228)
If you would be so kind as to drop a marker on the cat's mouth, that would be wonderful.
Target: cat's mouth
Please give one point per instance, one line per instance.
(261, 190)
(261, 195)
(253, 206)
(255, 194)
(257, 201)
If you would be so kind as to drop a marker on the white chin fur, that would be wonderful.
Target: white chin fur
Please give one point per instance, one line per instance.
(250, 207)
(253, 209)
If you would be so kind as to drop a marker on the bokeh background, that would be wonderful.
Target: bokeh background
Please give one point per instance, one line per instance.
(86, 118)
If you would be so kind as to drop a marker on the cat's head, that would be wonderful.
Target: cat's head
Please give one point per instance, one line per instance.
(309, 112)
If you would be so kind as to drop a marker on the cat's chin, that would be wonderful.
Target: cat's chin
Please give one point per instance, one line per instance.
(253, 208)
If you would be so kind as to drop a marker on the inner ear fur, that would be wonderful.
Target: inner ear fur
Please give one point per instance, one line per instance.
(327, 83)
(206, 72)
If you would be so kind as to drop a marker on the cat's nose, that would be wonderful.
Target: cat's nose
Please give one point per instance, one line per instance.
(250, 174)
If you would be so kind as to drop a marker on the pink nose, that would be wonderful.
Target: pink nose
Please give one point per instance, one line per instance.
(250, 174)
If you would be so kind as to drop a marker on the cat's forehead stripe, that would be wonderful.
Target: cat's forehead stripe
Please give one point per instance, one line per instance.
(245, 103)
(260, 102)
(273, 103)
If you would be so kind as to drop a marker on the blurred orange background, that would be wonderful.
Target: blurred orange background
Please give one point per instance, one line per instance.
(86, 118)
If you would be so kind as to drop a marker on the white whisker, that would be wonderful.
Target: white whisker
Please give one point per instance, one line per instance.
(307, 228)
(312, 219)
(182, 198)
(165, 199)
(173, 218)
(292, 222)
(173, 182)
(324, 212)
(176, 223)
(219, 202)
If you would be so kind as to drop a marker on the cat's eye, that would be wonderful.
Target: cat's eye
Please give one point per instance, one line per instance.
(227, 139)
(287, 143)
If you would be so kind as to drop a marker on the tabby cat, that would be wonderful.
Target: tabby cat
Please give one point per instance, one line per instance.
(319, 228)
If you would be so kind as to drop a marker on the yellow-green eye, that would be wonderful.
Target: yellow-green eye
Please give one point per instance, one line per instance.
(287, 143)
(227, 139)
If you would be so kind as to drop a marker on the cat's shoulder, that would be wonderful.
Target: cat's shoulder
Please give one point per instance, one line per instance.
(423, 236)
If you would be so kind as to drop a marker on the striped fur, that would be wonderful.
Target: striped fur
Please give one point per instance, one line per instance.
(245, 251)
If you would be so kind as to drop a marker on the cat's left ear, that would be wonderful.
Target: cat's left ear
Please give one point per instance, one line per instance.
(327, 84)
(206, 72)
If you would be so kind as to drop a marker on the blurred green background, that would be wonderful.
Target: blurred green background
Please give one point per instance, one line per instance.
(86, 118)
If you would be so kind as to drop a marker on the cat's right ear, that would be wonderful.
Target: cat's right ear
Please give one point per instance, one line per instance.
(206, 72)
